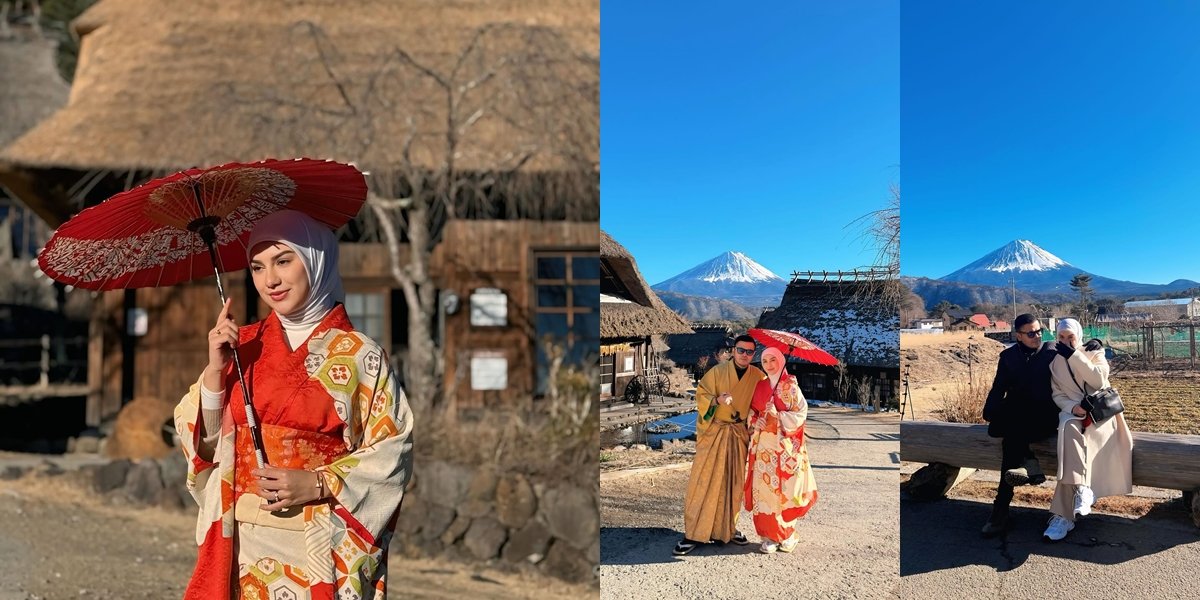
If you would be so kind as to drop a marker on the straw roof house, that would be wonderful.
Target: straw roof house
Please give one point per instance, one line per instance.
(841, 319)
(32, 88)
(686, 349)
(629, 309)
(163, 85)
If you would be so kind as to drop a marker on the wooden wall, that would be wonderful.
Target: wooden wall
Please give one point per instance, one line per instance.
(474, 254)
(498, 254)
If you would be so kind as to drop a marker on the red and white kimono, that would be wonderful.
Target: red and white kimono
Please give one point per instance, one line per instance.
(333, 406)
(780, 487)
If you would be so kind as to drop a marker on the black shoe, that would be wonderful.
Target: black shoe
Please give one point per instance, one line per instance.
(1028, 474)
(994, 528)
(739, 539)
(684, 546)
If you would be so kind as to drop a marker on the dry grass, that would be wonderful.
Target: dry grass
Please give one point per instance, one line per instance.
(1160, 404)
(962, 402)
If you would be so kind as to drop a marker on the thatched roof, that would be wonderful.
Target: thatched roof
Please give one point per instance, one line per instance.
(843, 318)
(642, 314)
(687, 348)
(32, 89)
(169, 84)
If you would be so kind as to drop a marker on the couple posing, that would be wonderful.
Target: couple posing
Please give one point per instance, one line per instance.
(749, 446)
(1037, 394)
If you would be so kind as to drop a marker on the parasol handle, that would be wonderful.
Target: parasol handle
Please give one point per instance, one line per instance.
(260, 454)
(206, 227)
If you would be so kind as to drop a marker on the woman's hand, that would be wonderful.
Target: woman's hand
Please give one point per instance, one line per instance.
(1078, 411)
(222, 339)
(285, 488)
(1064, 350)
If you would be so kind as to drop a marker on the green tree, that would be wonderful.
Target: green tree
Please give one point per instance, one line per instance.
(1082, 284)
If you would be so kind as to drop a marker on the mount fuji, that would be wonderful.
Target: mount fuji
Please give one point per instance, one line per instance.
(729, 276)
(1032, 269)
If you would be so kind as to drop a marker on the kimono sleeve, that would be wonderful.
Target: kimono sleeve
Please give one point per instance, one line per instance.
(369, 483)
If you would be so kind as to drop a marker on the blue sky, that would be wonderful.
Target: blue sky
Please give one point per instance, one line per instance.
(1072, 124)
(739, 127)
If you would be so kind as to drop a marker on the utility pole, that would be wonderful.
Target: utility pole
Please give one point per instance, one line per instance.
(1013, 280)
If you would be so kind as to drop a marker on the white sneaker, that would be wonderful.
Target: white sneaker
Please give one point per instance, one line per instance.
(1058, 529)
(768, 547)
(1083, 500)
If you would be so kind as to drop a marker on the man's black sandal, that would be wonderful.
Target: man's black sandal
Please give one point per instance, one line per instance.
(683, 547)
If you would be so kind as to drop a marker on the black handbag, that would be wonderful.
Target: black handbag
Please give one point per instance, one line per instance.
(1100, 404)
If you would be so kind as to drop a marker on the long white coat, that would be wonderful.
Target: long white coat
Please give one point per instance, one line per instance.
(1108, 453)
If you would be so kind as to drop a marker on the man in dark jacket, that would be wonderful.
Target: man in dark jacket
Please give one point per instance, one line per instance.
(1020, 410)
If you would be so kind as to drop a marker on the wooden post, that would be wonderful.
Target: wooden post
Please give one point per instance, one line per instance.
(44, 379)
(1192, 341)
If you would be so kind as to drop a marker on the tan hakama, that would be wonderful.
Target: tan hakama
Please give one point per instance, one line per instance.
(715, 485)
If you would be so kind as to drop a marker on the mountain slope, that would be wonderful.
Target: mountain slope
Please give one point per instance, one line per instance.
(729, 276)
(699, 308)
(1037, 271)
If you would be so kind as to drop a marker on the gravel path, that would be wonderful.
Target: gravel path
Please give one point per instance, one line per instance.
(850, 543)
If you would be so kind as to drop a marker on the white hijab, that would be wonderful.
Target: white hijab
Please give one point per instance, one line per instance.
(1073, 326)
(317, 248)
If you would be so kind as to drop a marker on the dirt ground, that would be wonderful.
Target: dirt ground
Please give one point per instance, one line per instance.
(58, 542)
(637, 459)
(1155, 400)
(849, 541)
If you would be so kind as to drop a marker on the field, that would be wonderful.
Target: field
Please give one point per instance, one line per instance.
(1163, 401)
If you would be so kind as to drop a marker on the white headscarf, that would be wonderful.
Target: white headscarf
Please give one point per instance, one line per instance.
(317, 248)
(1071, 325)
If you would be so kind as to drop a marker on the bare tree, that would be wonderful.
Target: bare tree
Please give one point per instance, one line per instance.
(507, 126)
(882, 228)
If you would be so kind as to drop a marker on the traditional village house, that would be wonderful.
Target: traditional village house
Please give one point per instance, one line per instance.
(688, 349)
(630, 315)
(163, 86)
(841, 313)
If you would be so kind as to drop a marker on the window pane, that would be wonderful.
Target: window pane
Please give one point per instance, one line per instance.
(374, 304)
(354, 304)
(585, 267)
(552, 267)
(554, 326)
(587, 326)
(552, 295)
(586, 295)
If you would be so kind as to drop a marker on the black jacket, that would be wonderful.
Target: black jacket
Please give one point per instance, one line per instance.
(1019, 404)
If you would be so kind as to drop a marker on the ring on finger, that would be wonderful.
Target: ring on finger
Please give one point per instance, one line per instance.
(277, 496)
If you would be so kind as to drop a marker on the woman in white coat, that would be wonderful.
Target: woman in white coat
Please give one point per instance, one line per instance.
(1094, 459)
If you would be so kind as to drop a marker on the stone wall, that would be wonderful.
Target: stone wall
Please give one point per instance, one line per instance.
(470, 514)
(479, 514)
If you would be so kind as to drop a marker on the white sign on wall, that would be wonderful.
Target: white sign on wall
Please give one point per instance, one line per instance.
(489, 308)
(489, 370)
(137, 322)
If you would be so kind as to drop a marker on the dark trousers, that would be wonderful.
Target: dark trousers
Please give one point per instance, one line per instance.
(1015, 450)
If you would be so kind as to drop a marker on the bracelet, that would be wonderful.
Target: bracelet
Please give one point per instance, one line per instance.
(320, 485)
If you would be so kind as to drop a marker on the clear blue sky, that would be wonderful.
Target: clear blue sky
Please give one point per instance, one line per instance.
(1072, 124)
(733, 126)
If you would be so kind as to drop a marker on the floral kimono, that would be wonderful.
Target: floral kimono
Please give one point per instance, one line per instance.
(779, 482)
(332, 406)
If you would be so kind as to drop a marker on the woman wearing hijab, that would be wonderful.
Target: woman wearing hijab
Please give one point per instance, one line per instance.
(779, 482)
(1094, 459)
(315, 522)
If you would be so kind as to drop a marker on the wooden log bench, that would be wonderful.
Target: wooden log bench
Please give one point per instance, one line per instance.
(953, 451)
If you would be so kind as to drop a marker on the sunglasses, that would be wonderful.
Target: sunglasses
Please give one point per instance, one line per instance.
(1031, 334)
(744, 351)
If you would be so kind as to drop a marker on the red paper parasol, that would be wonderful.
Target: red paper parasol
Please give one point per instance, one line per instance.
(792, 344)
(193, 224)
(151, 236)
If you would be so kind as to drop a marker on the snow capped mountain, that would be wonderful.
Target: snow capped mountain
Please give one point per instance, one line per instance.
(1032, 269)
(729, 276)
(730, 266)
(1018, 255)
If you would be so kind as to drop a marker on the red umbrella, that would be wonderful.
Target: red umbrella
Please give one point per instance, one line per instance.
(195, 223)
(153, 235)
(792, 344)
